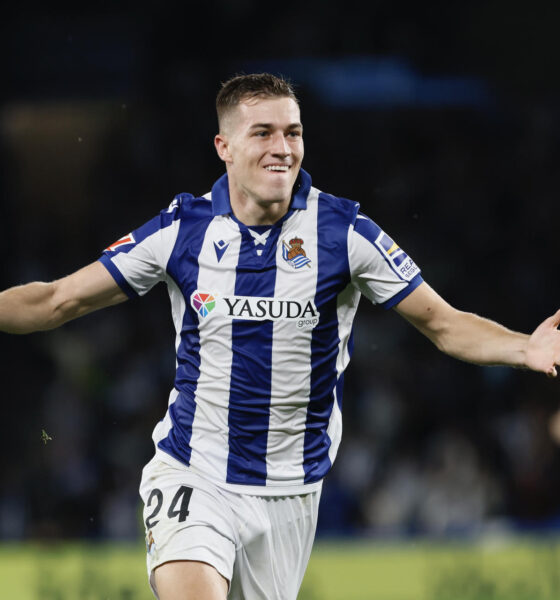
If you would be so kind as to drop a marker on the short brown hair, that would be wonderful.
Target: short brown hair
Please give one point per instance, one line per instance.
(242, 87)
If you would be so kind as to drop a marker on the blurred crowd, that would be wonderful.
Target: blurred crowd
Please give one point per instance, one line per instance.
(431, 446)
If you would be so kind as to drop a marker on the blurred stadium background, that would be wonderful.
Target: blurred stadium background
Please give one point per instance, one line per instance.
(443, 120)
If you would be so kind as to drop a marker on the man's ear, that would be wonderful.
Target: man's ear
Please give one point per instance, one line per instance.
(221, 144)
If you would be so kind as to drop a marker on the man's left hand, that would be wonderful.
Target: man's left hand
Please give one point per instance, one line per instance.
(543, 349)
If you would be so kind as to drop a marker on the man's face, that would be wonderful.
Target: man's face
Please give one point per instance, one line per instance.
(262, 145)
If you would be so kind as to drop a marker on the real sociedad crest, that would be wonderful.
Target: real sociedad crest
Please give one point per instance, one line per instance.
(150, 543)
(294, 254)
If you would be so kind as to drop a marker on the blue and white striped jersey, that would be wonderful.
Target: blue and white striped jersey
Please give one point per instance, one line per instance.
(264, 329)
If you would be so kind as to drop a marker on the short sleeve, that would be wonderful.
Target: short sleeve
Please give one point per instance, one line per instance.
(138, 260)
(380, 269)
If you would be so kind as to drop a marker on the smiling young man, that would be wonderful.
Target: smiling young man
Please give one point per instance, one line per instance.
(261, 143)
(264, 275)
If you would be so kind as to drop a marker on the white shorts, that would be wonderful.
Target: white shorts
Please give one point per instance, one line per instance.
(260, 544)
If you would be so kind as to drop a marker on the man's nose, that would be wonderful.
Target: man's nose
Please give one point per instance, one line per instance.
(280, 145)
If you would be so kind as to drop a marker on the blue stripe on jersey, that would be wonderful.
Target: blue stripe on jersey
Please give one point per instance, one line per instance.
(251, 369)
(220, 196)
(333, 275)
(302, 187)
(177, 442)
(117, 276)
(340, 389)
(183, 268)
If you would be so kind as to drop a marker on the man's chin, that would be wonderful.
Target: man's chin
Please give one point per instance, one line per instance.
(273, 200)
(276, 194)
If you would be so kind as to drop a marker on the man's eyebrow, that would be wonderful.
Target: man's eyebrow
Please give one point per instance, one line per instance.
(271, 126)
(261, 126)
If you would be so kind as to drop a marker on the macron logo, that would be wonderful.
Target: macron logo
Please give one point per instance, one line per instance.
(220, 248)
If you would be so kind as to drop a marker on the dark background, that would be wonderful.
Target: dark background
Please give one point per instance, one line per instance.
(442, 119)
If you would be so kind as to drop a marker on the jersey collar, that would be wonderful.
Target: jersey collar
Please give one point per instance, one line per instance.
(220, 194)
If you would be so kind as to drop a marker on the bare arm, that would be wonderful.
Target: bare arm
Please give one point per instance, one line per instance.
(475, 339)
(40, 306)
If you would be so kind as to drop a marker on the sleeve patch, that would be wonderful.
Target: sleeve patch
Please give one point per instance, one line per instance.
(126, 239)
(397, 258)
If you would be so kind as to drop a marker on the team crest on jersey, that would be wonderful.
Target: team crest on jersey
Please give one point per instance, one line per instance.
(126, 239)
(150, 543)
(203, 303)
(294, 254)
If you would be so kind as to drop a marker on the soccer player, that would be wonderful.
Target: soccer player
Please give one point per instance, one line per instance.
(264, 275)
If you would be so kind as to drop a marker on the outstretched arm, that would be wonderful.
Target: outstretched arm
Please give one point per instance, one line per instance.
(40, 306)
(475, 339)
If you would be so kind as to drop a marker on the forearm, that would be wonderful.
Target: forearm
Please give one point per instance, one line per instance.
(27, 308)
(463, 335)
(478, 340)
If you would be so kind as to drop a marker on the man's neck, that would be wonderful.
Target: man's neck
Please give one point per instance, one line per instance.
(251, 211)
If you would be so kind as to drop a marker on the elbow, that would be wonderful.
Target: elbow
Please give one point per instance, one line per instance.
(441, 334)
(59, 314)
(452, 334)
(59, 309)
(438, 338)
(442, 343)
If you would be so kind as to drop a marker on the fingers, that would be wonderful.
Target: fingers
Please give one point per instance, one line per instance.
(551, 372)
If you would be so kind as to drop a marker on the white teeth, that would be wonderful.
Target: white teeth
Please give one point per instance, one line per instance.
(277, 168)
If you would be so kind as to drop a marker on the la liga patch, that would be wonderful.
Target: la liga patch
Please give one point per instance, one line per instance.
(397, 258)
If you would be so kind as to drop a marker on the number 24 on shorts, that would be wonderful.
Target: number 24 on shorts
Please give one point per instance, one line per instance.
(179, 506)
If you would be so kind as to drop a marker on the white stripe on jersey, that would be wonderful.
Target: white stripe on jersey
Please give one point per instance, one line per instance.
(291, 354)
(209, 441)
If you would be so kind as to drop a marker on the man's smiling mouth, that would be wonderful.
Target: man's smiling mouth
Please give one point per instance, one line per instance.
(280, 168)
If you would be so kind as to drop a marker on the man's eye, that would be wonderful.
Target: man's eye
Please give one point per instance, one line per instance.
(294, 134)
(261, 133)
